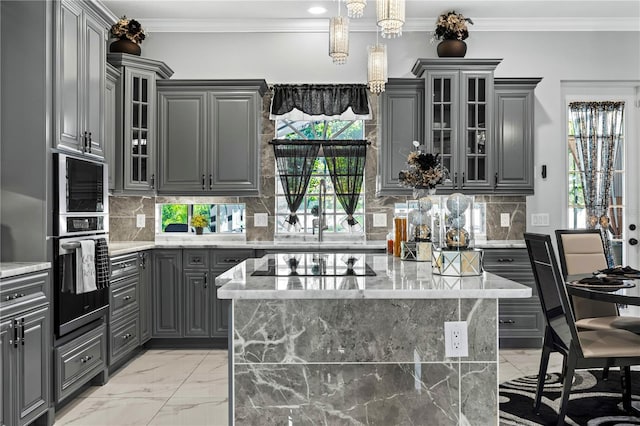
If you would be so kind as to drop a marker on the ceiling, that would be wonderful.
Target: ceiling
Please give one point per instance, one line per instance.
(292, 15)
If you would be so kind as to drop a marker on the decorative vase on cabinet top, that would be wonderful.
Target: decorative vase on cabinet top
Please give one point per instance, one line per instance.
(452, 49)
(124, 45)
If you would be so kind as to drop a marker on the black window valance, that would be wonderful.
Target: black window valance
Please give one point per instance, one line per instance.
(320, 101)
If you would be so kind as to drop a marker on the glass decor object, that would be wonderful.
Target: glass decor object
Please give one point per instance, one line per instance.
(390, 17)
(339, 39)
(355, 8)
(457, 217)
(377, 68)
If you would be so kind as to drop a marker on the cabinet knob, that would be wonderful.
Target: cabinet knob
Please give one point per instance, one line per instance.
(633, 241)
(126, 298)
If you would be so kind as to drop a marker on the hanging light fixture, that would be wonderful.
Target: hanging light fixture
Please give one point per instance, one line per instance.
(355, 8)
(339, 38)
(377, 67)
(390, 16)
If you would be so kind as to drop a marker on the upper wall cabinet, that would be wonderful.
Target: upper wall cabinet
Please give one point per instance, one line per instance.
(209, 135)
(110, 102)
(459, 119)
(135, 147)
(400, 123)
(81, 35)
(515, 103)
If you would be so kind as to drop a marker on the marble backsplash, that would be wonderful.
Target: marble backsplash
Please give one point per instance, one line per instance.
(124, 209)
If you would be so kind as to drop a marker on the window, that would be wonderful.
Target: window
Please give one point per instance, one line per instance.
(222, 218)
(335, 216)
(577, 214)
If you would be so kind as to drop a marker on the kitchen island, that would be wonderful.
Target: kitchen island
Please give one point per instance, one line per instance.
(319, 339)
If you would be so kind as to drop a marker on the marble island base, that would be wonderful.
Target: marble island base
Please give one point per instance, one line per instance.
(362, 362)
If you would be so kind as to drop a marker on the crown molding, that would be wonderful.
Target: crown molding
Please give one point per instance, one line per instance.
(321, 25)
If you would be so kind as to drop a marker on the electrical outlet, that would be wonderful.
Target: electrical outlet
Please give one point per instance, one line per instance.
(260, 219)
(505, 221)
(379, 220)
(140, 220)
(456, 342)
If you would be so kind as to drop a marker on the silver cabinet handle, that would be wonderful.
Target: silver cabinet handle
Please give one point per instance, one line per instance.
(507, 321)
(86, 359)
(153, 181)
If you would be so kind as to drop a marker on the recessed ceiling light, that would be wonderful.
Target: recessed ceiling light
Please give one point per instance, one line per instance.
(316, 10)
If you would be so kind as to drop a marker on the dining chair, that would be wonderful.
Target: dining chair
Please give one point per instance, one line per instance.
(582, 349)
(581, 251)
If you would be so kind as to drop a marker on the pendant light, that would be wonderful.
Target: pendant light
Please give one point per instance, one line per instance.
(339, 38)
(390, 17)
(377, 67)
(355, 8)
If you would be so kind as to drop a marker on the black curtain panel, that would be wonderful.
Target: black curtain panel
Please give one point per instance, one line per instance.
(320, 99)
(295, 162)
(345, 161)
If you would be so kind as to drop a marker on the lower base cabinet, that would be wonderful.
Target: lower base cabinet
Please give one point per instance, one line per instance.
(25, 349)
(123, 337)
(79, 360)
(520, 321)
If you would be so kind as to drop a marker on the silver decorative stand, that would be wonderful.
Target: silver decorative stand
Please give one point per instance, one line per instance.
(456, 263)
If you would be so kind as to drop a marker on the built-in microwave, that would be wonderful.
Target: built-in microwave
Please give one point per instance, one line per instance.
(81, 195)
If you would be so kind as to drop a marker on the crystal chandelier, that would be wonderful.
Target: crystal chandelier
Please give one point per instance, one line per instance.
(377, 68)
(390, 16)
(355, 8)
(339, 39)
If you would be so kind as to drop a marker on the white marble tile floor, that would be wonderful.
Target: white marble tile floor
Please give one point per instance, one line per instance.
(189, 388)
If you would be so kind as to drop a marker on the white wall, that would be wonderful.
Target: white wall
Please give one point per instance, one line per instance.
(302, 58)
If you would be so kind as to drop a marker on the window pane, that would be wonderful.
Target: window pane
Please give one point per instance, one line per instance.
(175, 214)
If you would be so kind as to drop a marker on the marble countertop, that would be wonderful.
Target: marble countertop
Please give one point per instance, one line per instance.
(11, 269)
(394, 279)
(124, 247)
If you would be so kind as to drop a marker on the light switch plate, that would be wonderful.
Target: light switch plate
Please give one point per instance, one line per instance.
(540, 219)
(260, 220)
(505, 220)
(379, 220)
(140, 220)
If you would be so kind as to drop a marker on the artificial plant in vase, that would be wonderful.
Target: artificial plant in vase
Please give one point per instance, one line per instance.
(199, 221)
(451, 28)
(129, 34)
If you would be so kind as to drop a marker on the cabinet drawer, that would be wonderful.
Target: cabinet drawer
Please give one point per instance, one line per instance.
(225, 259)
(520, 319)
(124, 266)
(505, 259)
(123, 299)
(23, 291)
(124, 337)
(79, 360)
(198, 259)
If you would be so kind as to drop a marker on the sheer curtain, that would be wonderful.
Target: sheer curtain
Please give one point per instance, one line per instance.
(346, 161)
(295, 164)
(597, 128)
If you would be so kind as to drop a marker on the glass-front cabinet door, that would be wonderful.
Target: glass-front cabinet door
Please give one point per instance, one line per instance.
(458, 122)
(139, 165)
(477, 101)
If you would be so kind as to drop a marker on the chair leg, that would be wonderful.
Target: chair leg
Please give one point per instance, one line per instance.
(605, 373)
(625, 378)
(542, 372)
(566, 387)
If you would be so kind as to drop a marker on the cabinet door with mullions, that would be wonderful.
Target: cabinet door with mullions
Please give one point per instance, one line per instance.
(138, 115)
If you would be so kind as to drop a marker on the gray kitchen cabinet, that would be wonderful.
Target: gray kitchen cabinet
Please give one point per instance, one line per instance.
(209, 134)
(520, 321)
(124, 307)
(515, 104)
(110, 98)
(81, 35)
(459, 119)
(144, 296)
(167, 294)
(400, 123)
(135, 153)
(26, 347)
(205, 315)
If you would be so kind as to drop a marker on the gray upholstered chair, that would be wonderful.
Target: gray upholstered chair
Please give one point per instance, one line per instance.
(609, 347)
(581, 251)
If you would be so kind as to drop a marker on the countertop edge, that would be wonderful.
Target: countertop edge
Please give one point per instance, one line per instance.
(12, 269)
